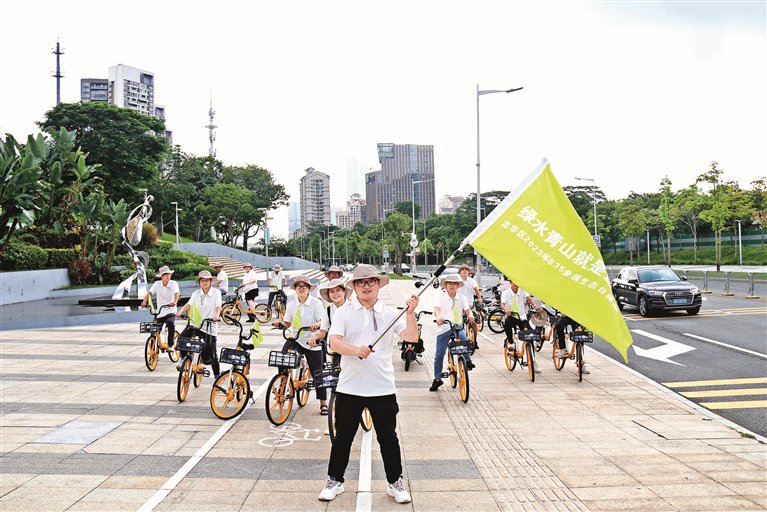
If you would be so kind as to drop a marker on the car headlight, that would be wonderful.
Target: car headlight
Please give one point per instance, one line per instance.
(695, 290)
(654, 293)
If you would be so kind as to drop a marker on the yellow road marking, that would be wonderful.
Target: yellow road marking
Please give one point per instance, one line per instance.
(725, 392)
(722, 382)
(745, 404)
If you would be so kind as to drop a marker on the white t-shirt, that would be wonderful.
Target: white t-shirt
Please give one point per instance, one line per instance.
(467, 290)
(325, 320)
(516, 302)
(373, 376)
(250, 276)
(164, 295)
(301, 315)
(278, 281)
(207, 304)
(223, 284)
(451, 309)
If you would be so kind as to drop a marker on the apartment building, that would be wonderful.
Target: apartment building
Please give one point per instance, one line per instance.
(315, 199)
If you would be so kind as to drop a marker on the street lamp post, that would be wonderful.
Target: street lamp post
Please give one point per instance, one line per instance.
(594, 196)
(412, 202)
(482, 93)
(740, 245)
(175, 203)
(266, 245)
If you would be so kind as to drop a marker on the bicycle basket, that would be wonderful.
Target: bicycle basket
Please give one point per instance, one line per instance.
(193, 345)
(234, 357)
(458, 349)
(284, 359)
(327, 378)
(149, 327)
(529, 335)
(582, 337)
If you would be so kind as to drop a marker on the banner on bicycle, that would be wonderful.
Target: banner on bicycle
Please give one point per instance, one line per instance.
(537, 239)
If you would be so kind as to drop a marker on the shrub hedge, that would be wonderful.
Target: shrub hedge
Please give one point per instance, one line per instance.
(23, 256)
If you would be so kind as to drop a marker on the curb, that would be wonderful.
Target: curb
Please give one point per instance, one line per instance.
(115, 317)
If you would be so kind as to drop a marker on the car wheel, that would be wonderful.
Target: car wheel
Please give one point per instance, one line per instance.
(644, 309)
(693, 311)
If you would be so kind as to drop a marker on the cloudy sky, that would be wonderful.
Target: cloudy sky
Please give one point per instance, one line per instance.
(624, 92)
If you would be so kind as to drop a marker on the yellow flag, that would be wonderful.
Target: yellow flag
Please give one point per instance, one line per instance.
(150, 303)
(256, 336)
(537, 239)
(195, 317)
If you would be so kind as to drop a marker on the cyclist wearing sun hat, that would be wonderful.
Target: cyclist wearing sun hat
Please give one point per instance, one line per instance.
(336, 294)
(222, 279)
(451, 306)
(249, 285)
(167, 293)
(276, 283)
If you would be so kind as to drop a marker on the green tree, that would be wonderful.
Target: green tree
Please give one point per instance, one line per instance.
(667, 214)
(406, 209)
(633, 223)
(398, 228)
(128, 146)
(758, 196)
(582, 199)
(20, 188)
(689, 203)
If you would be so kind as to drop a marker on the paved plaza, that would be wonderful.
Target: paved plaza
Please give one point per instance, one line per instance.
(85, 426)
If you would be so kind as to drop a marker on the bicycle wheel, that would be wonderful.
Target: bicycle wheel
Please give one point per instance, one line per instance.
(230, 310)
(471, 333)
(409, 354)
(198, 374)
(451, 370)
(263, 313)
(173, 353)
(463, 380)
(279, 399)
(530, 354)
(151, 353)
(302, 392)
(280, 310)
(184, 377)
(559, 362)
(480, 316)
(509, 355)
(366, 420)
(229, 395)
(332, 418)
(495, 320)
(579, 360)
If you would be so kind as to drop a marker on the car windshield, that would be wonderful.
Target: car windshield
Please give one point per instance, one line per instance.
(657, 274)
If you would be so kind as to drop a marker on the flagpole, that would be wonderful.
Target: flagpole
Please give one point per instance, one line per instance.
(425, 287)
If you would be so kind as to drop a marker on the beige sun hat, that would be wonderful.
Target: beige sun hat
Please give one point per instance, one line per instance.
(334, 283)
(539, 318)
(452, 278)
(164, 270)
(464, 266)
(204, 274)
(334, 268)
(365, 271)
(218, 265)
(302, 279)
(246, 264)
(277, 267)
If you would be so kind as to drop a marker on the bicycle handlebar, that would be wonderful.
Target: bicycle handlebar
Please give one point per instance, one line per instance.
(297, 335)
(419, 313)
(451, 325)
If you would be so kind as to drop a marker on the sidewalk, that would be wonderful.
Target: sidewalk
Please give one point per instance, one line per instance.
(84, 426)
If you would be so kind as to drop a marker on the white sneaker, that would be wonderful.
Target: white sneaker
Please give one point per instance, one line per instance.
(331, 490)
(562, 353)
(583, 368)
(398, 492)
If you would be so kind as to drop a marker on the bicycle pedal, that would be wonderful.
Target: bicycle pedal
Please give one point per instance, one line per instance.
(206, 372)
(445, 375)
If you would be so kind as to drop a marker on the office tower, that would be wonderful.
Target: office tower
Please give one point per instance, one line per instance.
(94, 89)
(407, 174)
(315, 199)
(294, 218)
(348, 218)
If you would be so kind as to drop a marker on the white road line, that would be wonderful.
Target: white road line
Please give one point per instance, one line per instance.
(725, 345)
(364, 485)
(173, 481)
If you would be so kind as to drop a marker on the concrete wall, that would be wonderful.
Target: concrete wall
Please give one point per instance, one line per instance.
(258, 260)
(31, 284)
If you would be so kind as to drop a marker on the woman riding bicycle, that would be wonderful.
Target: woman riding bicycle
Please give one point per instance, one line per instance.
(276, 283)
(560, 328)
(451, 306)
(207, 301)
(337, 294)
(167, 293)
(516, 303)
(305, 310)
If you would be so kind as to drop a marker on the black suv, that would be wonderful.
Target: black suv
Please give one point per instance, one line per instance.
(655, 289)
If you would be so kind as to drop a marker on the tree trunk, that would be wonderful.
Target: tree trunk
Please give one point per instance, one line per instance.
(718, 249)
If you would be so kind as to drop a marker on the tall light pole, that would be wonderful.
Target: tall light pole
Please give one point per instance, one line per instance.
(479, 194)
(413, 238)
(175, 204)
(594, 196)
(266, 244)
(740, 245)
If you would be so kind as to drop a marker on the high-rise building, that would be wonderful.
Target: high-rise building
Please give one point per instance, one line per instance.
(294, 218)
(373, 207)
(94, 89)
(407, 174)
(132, 88)
(315, 199)
(348, 218)
(449, 204)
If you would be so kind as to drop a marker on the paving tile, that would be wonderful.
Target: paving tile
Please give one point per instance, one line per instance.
(295, 501)
(638, 505)
(711, 503)
(630, 492)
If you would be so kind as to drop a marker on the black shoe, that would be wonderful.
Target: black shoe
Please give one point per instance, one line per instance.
(251, 318)
(435, 385)
(469, 365)
(476, 346)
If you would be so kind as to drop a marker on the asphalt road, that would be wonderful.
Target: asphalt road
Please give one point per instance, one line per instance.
(726, 372)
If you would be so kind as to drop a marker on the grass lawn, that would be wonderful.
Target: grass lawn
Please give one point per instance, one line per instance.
(170, 237)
